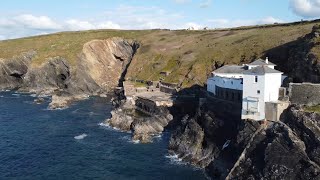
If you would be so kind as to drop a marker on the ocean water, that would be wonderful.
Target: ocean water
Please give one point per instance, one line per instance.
(36, 143)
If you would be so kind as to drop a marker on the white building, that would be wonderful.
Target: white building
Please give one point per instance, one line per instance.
(252, 85)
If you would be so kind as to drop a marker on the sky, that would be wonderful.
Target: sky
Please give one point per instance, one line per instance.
(21, 18)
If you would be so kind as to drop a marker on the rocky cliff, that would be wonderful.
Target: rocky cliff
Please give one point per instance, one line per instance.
(100, 68)
(304, 58)
(300, 59)
(236, 149)
(149, 121)
(12, 70)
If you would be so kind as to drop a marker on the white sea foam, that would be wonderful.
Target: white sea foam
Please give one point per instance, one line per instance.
(174, 159)
(129, 139)
(82, 136)
(158, 136)
(56, 109)
(135, 141)
(15, 94)
(107, 125)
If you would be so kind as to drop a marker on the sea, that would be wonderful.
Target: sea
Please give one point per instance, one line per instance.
(72, 143)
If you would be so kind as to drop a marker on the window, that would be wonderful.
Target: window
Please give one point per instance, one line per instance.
(256, 79)
(258, 92)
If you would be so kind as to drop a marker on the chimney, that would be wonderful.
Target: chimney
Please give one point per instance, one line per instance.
(267, 60)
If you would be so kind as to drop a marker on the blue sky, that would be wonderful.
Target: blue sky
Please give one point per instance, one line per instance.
(20, 18)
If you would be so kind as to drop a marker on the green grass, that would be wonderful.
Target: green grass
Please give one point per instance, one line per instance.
(65, 44)
(188, 55)
(139, 84)
(312, 108)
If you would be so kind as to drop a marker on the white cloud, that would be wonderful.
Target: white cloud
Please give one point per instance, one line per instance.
(306, 8)
(143, 17)
(193, 25)
(74, 24)
(227, 23)
(108, 25)
(2, 37)
(205, 3)
(122, 17)
(270, 20)
(37, 22)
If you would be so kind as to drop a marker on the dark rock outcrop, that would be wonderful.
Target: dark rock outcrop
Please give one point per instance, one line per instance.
(13, 70)
(47, 78)
(304, 60)
(144, 123)
(300, 59)
(288, 149)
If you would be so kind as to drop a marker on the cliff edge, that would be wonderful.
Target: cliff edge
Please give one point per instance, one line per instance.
(100, 68)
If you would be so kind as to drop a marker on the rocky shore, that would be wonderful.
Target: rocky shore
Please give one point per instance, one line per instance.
(227, 148)
(235, 149)
(144, 118)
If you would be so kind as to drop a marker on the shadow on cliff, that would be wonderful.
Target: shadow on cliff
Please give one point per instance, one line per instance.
(296, 59)
(186, 102)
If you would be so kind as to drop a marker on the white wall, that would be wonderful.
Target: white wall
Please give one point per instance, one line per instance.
(268, 85)
(273, 83)
(253, 66)
(223, 82)
(250, 94)
(228, 75)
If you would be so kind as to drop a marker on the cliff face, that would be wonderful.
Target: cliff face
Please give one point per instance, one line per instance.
(107, 60)
(47, 78)
(101, 67)
(300, 59)
(12, 70)
(288, 149)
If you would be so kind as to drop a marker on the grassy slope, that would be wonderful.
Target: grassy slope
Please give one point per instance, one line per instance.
(188, 55)
(312, 109)
(65, 44)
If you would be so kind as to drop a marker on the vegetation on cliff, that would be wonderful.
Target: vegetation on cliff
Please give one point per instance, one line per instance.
(187, 56)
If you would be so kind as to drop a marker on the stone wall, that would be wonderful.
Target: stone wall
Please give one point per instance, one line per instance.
(304, 93)
(168, 88)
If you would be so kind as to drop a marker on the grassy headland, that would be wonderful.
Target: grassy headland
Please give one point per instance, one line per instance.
(189, 56)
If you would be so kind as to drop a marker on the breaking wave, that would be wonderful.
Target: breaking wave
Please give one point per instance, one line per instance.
(174, 159)
(81, 136)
